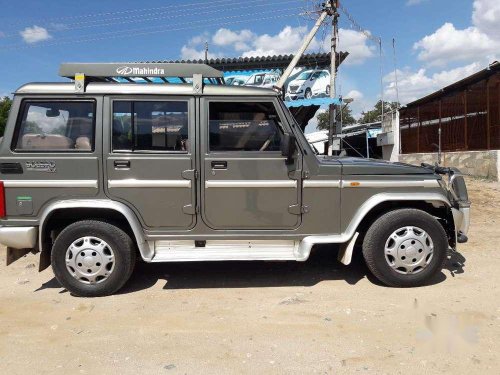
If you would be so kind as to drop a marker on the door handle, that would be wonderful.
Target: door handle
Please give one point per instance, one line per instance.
(122, 164)
(219, 164)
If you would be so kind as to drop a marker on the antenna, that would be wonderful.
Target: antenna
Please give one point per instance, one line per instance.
(395, 69)
(381, 79)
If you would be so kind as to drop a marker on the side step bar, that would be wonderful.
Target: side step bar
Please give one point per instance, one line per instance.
(186, 251)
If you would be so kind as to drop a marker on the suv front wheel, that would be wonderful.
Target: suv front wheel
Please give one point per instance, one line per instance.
(93, 258)
(405, 248)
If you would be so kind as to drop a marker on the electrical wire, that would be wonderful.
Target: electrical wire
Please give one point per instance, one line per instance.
(176, 6)
(139, 32)
(171, 16)
(356, 25)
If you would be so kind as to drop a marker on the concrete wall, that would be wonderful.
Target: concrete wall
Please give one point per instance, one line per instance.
(475, 163)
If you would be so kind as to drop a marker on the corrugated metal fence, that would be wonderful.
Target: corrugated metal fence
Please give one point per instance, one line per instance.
(469, 120)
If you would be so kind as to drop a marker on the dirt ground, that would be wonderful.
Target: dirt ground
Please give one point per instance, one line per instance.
(261, 317)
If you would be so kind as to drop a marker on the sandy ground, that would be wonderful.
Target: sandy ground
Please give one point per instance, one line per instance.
(314, 317)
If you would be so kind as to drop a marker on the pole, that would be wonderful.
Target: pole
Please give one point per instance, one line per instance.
(381, 80)
(298, 54)
(367, 144)
(332, 11)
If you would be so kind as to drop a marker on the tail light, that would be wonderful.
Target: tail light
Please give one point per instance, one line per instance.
(2, 200)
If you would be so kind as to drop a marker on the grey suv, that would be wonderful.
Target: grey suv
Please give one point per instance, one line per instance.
(112, 166)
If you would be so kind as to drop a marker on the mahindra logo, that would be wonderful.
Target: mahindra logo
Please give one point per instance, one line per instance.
(144, 71)
(124, 70)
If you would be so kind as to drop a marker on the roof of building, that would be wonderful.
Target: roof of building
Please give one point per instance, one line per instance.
(108, 88)
(228, 64)
(492, 69)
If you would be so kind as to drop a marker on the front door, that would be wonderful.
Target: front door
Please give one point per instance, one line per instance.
(149, 142)
(246, 182)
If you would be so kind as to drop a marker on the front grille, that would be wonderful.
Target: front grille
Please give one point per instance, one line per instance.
(294, 88)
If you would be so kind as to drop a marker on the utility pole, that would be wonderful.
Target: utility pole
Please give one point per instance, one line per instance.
(288, 71)
(206, 52)
(332, 7)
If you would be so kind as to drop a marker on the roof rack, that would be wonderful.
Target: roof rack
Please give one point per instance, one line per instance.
(82, 73)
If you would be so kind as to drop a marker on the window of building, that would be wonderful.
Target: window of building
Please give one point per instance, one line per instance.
(244, 126)
(56, 126)
(150, 126)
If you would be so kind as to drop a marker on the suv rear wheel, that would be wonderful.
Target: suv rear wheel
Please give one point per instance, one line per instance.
(405, 248)
(93, 258)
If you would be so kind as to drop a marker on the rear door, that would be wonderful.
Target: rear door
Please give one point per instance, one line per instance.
(53, 154)
(149, 148)
(246, 182)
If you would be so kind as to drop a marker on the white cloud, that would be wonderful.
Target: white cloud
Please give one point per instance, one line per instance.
(195, 48)
(486, 17)
(416, 84)
(35, 34)
(415, 2)
(237, 39)
(286, 41)
(290, 39)
(354, 94)
(448, 44)
(356, 44)
(359, 104)
(192, 53)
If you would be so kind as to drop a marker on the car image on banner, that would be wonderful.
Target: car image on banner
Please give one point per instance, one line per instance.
(267, 80)
(309, 84)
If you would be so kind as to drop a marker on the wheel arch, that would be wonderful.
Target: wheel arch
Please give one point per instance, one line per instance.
(438, 208)
(372, 208)
(60, 214)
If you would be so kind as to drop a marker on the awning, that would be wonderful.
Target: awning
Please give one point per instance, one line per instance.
(308, 102)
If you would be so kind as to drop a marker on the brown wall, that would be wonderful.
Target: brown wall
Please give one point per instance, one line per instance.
(469, 120)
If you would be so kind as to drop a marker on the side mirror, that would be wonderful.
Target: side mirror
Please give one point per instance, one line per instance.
(288, 147)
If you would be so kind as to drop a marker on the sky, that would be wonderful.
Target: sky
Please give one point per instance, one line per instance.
(437, 41)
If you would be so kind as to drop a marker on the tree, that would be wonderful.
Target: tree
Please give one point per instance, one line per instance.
(376, 113)
(324, 118)
(5, 105)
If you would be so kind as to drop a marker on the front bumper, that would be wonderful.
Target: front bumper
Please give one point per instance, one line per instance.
(461, 218)
(18, 237)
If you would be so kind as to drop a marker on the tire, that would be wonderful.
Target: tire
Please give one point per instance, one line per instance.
(100, 261)
(327, 90)
(405, 248)
(308, 93)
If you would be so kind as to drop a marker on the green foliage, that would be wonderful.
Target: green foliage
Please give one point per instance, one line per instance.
(324, 118)
(375, 114)
(5, 104)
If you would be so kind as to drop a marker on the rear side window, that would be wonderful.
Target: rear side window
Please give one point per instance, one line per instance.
(245, 126)
(150, 126)
(54, 126)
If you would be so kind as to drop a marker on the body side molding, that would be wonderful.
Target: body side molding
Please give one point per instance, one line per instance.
(133, 183)
(51, 183)
(251, 184)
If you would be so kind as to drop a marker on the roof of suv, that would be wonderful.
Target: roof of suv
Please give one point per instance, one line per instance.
(143, 88)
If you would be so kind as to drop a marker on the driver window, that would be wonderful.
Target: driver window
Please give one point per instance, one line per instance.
(244, 126)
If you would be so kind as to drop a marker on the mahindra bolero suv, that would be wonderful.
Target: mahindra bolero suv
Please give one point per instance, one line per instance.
(112, 167)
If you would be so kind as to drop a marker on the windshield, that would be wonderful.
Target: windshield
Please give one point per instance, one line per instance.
(304, 75)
